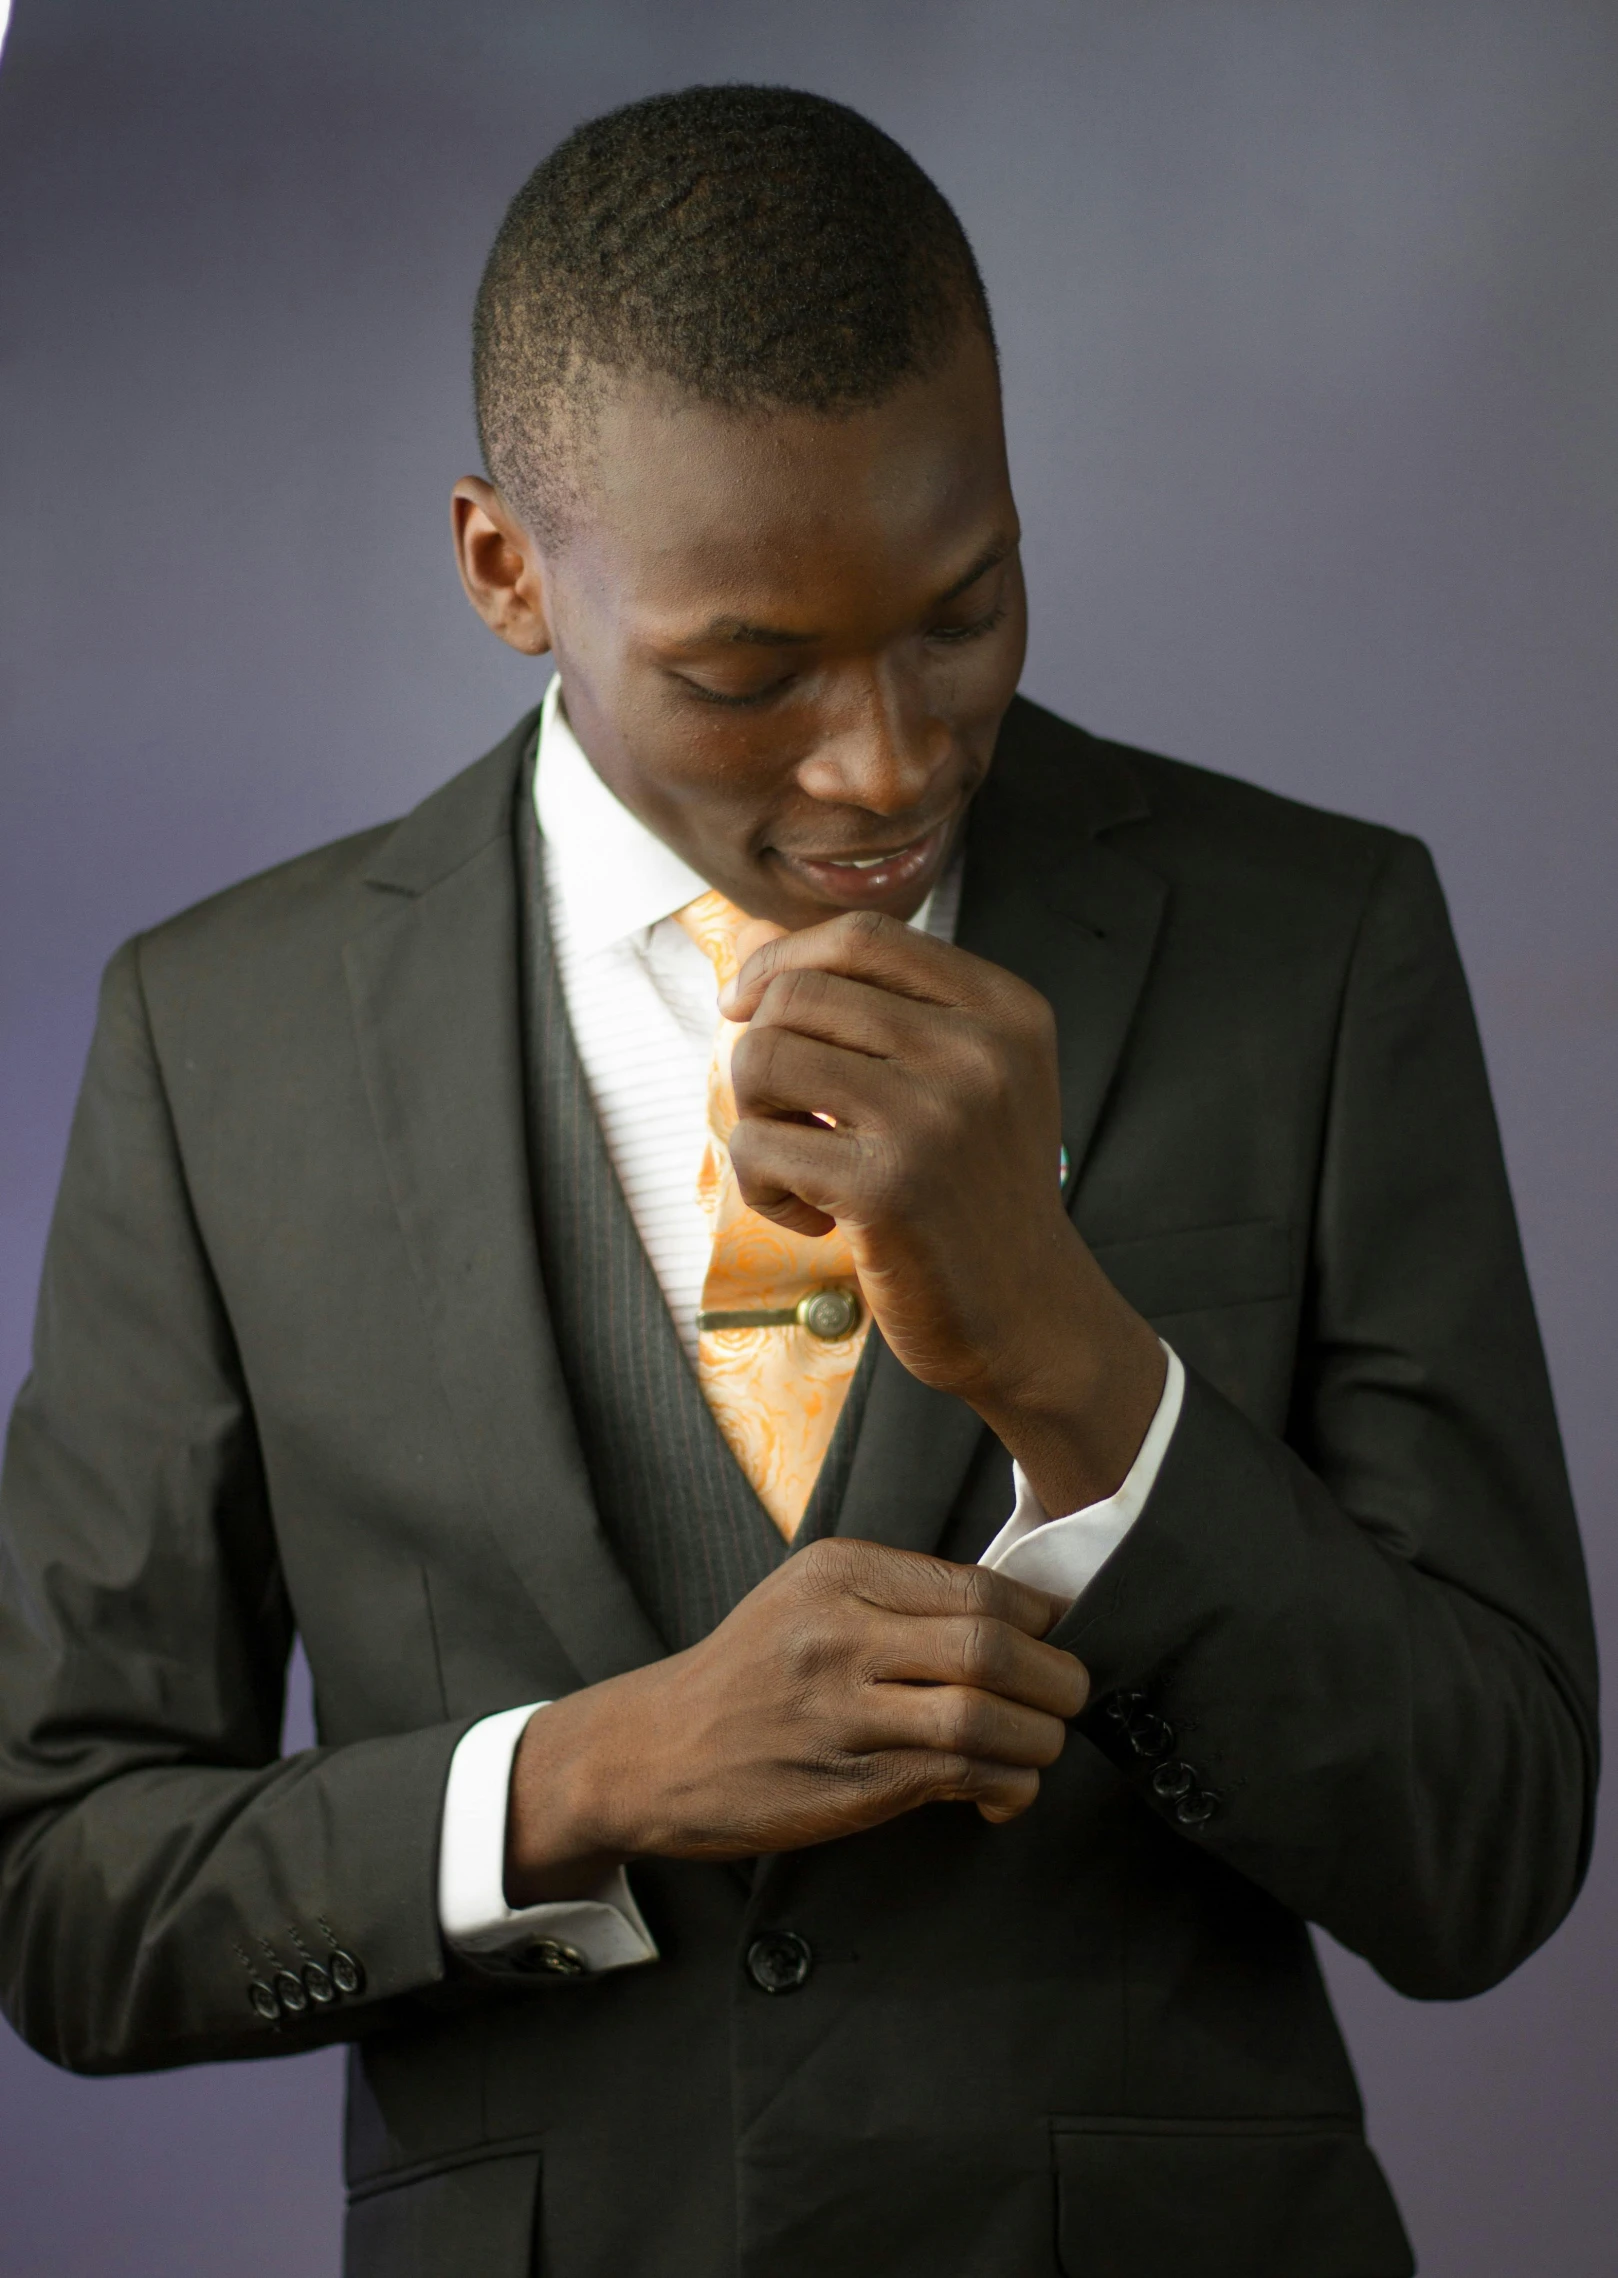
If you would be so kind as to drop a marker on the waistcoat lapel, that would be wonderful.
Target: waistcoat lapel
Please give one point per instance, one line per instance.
(687, 1526)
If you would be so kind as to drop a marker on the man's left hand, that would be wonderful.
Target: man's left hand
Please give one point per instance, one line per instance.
(908, 1092)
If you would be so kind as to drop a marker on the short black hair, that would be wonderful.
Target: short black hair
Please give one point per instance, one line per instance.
(759, 246)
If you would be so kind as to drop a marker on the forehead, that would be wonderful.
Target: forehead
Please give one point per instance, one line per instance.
(688, 505)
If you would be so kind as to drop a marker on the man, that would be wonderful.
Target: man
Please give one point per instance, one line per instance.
(878, 1347)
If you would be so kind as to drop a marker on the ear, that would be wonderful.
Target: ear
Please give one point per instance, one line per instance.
(500, 565)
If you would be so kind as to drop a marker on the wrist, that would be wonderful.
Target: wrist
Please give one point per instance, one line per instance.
(560, 1841)
(1075, 1404)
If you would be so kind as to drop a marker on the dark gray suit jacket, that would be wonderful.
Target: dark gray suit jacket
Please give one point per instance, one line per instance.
(295, 1367)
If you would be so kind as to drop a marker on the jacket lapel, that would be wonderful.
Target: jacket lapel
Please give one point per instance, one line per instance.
(1046, 898)
(434, 982)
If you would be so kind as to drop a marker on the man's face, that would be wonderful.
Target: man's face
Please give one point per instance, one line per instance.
(786, 641)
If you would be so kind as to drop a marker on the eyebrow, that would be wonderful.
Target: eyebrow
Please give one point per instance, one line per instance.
(740, 631)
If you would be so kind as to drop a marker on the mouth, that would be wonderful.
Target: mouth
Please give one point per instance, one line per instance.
(858, 880)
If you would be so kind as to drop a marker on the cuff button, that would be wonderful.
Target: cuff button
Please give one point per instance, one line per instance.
(1150, 1735)
(346, 1973)
(1197, 1808)
(290, 1992)
(318, 1985)
(1172, 1781)
(549, 1957)
(264, 2002)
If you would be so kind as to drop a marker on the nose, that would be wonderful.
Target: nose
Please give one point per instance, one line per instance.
(881, 755)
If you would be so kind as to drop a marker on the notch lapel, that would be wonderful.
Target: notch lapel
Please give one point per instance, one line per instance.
(1044, 897)
(435, 989)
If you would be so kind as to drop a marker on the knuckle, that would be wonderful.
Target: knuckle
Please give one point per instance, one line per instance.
(978, 1655)
(943, 1774)
(753, 1059)
(864, 929)
(979, 1591)
(793, 995)
(963, 1722)
(749, 1145)
(826, 1564)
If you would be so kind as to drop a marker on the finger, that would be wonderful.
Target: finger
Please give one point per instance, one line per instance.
(975, 1650)
(854, 1014)
(1000, 1791)
(957, 1720)
(777, 1071)
(783, 1168)
(912, 1582)
(1012, 1795)
(867, 945)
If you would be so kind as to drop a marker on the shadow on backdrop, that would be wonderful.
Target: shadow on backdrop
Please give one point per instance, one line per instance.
(1309, 319)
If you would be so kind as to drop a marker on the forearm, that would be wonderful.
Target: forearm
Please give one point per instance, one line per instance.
(1381, 1749)
(136, 1921)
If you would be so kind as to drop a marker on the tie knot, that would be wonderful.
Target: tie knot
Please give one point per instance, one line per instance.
(715, 925)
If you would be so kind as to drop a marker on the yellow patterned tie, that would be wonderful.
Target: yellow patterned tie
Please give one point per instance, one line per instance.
(782, 1323)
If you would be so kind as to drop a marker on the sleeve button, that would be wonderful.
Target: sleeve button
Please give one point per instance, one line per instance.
(346, 1973)
(1150, 1735)
(264, 2001)
(290, 1992)
(1197, 1808)
(1172, 1781)
(318, 1985)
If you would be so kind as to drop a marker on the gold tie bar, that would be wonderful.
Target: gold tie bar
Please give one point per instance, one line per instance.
(825, 1313)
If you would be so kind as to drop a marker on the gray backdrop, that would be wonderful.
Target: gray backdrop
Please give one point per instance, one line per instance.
(1310, 314)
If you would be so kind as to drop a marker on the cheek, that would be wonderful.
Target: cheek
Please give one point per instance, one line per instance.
(709, 769)
(980, 683)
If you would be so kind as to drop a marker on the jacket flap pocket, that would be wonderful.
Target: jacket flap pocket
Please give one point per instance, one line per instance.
(476, 2218)
(1223, 2199)
(1200, 1267)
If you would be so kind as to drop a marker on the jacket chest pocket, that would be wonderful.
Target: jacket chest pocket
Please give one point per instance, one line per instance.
(1294, 2198)
(1199, 1269)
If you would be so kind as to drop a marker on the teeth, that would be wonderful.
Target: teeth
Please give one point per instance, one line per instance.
(872, 861)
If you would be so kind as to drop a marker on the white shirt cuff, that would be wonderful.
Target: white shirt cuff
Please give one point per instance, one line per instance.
(1064, 1555)
(604, 1930)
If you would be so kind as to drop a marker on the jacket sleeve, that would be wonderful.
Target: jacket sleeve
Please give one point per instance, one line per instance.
(1356, 1664)
(160, 1864)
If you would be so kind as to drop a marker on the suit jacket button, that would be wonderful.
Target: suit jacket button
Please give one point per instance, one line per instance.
(780, 1961)
(318, 1985)
(264, 2000)
(1197, 1808)
(346, 1973)
(1150, 1735)
(1172, 1781)
(290, 1992)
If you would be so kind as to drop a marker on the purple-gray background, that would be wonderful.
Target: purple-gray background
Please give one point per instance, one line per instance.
(1310, 319)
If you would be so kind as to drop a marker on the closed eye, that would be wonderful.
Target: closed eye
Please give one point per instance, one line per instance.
(736, 703)
(950, 636)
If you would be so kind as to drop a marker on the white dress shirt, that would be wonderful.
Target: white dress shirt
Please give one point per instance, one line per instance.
(642, 1002)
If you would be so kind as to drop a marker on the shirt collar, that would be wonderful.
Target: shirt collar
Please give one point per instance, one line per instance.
(613, 875)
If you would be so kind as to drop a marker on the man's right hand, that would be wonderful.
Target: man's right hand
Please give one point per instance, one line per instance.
(854, 1684)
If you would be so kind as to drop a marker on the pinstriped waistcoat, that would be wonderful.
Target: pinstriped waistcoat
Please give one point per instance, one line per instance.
(689, 1530)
